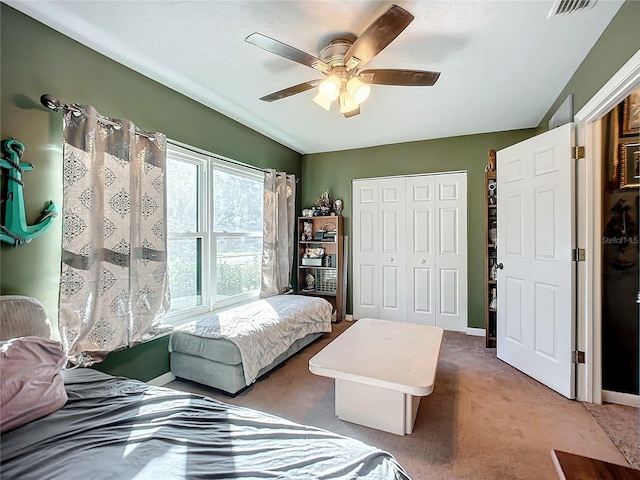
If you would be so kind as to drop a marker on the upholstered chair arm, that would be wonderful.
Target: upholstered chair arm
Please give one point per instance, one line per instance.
(22, 316)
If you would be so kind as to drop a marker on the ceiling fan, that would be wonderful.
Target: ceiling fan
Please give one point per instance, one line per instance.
(341, 61)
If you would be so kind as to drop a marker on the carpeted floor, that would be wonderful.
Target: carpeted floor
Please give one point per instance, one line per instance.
(484, 420)
(622, 425)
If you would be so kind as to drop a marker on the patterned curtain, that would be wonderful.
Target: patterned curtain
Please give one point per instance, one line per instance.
(278, 241)
(113, 286)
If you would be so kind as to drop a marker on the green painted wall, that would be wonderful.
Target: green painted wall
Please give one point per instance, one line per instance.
(617, 44)
(143, 362)
(336, 170)
(35, 60)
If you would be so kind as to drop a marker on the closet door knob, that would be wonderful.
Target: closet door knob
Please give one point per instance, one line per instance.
(500, 266)
(391, 259)
(423, 261)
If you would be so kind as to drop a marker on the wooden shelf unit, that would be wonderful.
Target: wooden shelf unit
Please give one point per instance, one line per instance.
(329, 280)
(490, 258)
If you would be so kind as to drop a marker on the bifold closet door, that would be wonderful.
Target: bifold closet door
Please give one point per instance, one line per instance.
(436, 273)
(379, 249)
(410, 249)
(393, 252)
(421, 261)
(366, 239)
(451, 252)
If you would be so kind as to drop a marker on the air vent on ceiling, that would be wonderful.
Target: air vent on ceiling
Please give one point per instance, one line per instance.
(563, 7)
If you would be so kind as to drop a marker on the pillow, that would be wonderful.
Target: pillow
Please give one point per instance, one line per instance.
(32, 386)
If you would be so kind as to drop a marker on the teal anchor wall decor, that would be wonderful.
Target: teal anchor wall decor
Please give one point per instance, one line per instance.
(14, 228)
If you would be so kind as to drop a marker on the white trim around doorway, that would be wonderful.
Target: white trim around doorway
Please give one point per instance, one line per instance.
(621, 398)
(589, 230)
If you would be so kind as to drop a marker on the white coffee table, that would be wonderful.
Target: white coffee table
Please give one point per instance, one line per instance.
(381, 370)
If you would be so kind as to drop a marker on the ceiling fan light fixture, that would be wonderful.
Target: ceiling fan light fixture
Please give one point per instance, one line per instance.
(323, 101)
(352, 113)
(352, 63)
(330, 88)
(341, 60)
(358, 90)
(347, 104)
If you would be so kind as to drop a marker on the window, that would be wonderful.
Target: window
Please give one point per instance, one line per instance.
(214, 224)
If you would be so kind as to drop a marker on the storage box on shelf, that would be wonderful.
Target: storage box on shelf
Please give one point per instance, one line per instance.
(322, 260)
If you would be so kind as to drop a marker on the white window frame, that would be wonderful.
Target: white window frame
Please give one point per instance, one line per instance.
(224, 165)
(207, 164)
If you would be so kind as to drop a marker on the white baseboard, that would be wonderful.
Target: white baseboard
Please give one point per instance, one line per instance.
(476, 332)
(621, 398)
(162, 379)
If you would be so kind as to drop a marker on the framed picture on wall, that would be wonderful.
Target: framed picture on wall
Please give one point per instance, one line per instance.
(630, 165)
(631, 114)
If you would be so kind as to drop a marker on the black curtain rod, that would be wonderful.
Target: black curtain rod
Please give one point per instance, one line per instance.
(54, 104)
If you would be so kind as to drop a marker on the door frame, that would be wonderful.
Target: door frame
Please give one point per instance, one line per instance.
(589, 226)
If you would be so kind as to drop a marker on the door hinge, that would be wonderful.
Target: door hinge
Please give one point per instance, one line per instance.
(578, 152)
(578, 255)
(577, 356)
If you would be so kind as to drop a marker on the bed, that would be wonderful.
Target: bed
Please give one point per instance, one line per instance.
(123, 429)
(230, 350)
(113, 427)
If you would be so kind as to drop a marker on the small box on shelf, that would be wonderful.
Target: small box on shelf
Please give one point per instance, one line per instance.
(312, 262)
(329, 261)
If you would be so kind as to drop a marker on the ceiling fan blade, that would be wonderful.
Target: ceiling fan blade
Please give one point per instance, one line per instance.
(283, 50)
(377, 36)
(287, 92)
(411, 78)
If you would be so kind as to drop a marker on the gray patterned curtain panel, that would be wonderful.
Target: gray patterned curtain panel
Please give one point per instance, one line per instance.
(113, 285)
(278, 242)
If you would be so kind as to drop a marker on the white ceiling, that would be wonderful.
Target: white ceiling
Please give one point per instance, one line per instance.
(503, 63)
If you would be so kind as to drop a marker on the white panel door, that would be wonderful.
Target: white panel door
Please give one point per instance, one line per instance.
(536, 287)
(366, 239)
(421, 255)
(392, 251)
(451, 252)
